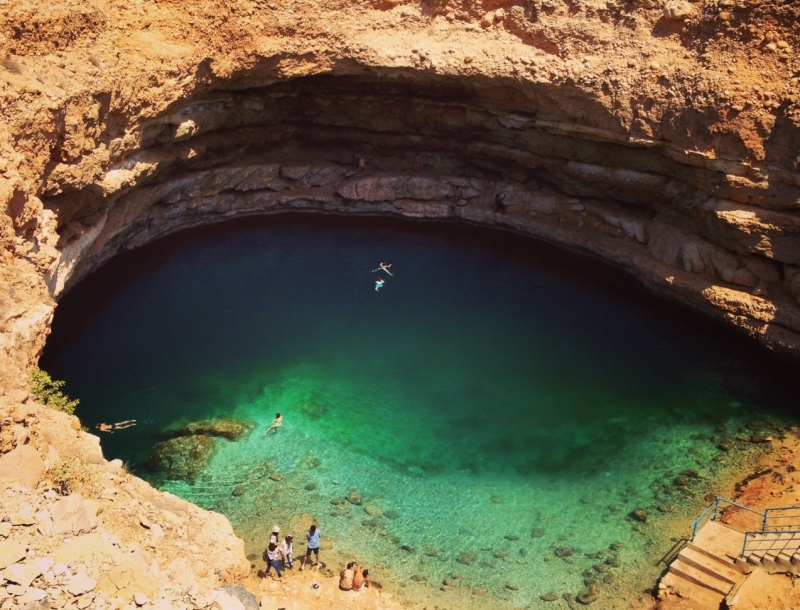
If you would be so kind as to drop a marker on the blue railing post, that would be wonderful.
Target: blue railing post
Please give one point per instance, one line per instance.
(716, 508)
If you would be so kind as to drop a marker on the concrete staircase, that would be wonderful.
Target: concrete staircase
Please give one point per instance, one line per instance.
(709, 561)
(711, 567)
(705, 568)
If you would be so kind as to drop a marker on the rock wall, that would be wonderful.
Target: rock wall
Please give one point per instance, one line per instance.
(663, 138)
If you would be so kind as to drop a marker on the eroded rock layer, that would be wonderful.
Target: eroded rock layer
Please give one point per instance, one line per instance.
(662, 138)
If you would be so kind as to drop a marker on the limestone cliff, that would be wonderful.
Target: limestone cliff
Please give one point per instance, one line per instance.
(661, 137)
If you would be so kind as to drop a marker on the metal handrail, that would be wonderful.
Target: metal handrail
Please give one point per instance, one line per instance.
(795, 517)
(771, 540)
(696, 522)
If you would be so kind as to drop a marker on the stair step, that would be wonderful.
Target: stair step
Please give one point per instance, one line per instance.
(724, 559)
(784, 560)
(698, 577)
(724, 571)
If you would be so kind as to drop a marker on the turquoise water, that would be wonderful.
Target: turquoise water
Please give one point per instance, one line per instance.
(497, 397)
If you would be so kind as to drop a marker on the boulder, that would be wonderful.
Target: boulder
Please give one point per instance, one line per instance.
(247, 599)
(33, 595)
(126, 581)
(678, 10)
(23, 464)
(71, 517)
(467, 558)
(588, 596)
(225, 601)
(231, 429)
(81, 583)
(184, 457)
(299, 525)
(11, 552)
(22, 574)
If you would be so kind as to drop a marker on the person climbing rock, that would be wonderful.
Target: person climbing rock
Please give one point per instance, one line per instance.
(118, 426)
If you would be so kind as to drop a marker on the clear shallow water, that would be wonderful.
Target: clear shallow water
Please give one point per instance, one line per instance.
(494, 389)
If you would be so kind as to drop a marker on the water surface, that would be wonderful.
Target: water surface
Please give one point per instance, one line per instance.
(497, 399)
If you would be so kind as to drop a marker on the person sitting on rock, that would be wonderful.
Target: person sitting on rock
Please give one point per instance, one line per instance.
(276, 423)
(346, 577)
(118, 426)
(361, 579)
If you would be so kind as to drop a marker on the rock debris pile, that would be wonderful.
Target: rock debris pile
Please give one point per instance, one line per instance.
(94, 536)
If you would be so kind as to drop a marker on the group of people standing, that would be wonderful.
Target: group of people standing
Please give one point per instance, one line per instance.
(280, 553)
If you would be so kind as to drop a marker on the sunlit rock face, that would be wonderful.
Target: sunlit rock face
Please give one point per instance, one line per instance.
(631, 133)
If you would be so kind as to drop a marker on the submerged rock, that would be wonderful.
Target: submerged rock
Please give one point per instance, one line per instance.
(640, 514)
(183, 457)
(588, 596)
(391, 514)
(467, 558)
(373, 511)
(231, 429)
(239, 491)
(537, 532)
(549, 597)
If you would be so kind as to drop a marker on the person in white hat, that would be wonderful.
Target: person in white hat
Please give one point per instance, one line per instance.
(275, 535)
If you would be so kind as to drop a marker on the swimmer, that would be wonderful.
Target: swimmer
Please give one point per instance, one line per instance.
(118, 426)
(379, 284)
(383, 267)
(276, 423)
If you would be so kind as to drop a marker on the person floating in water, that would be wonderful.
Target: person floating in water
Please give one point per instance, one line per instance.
(276, 423)
(379, 284)
(118, 426)
(383, 267)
